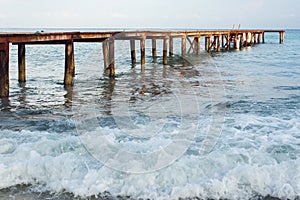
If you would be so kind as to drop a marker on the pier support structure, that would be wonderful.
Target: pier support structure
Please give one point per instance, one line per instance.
(4, 69)
(111, 55)
(281, 37)
(69, 63)
(154, 52)
(214, 39)
(105, 56)
(197, 44)
(183, 46)
(143, 52)
(171, 46)
(165, 51)
(133, 52)
(21, 63)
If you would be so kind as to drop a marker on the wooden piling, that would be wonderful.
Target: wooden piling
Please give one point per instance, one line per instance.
(258, 38)
(183, 46)
(263, 37)
(165, 51)
(209, 43)
(281, 37)
(21, 63)
(196, 44)
(111, 58)
(242, 40)
(171, 47)
(154, 52)
(235, 42)
(133, 53)
(69, 63)
(223, 45)
(4, 69)
(105, 56)
(206, 43)
(228, 41)
(218, 43)
(143, 53)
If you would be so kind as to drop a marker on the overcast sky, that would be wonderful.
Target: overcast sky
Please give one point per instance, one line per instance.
(149, 13)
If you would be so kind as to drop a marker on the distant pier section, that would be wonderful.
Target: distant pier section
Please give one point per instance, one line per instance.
(214, 40)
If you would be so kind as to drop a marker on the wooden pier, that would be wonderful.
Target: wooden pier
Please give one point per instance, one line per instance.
(215, 40)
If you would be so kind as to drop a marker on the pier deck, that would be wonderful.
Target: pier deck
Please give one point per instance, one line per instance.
(215, 40)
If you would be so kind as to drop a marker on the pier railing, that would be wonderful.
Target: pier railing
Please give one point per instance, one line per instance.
(215, 40)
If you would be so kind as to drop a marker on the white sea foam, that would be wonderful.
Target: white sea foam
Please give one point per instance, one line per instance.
(248, 160)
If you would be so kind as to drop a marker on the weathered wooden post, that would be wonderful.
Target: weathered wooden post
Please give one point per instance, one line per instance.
(214, 41)
(254, 38)
(207, 43)
(223, 45)
(242, 40)
(154, 52)
(218, 43)
(133, 53)
(235, 42)
(281, 37)
(259, 38)
(21, 63)
(183, 46)
(228, 41)
(69, 63)
(263, 37)
(4, 69)
(197, 44)
(165, 51)
(105, 56)
(111, 58)
(171, 47)
(143, 53)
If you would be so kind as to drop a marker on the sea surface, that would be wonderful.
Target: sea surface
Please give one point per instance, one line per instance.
(219, 125)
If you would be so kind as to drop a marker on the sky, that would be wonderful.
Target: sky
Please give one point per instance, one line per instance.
(200, 14)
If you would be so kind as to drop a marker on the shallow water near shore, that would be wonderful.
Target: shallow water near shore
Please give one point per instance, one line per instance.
(234, 118)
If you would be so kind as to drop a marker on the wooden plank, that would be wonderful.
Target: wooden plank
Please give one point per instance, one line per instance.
(4, 69)
(21, 63)
(69, 63)
(133, 53)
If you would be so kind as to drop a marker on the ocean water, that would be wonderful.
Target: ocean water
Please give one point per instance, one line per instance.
(218, 125)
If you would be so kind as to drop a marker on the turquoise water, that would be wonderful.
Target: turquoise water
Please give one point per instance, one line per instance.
(222, 125)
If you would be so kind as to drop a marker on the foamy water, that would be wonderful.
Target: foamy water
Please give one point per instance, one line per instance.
(225, 127)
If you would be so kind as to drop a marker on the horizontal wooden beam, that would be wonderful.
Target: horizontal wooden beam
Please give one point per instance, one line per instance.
(61, 37)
